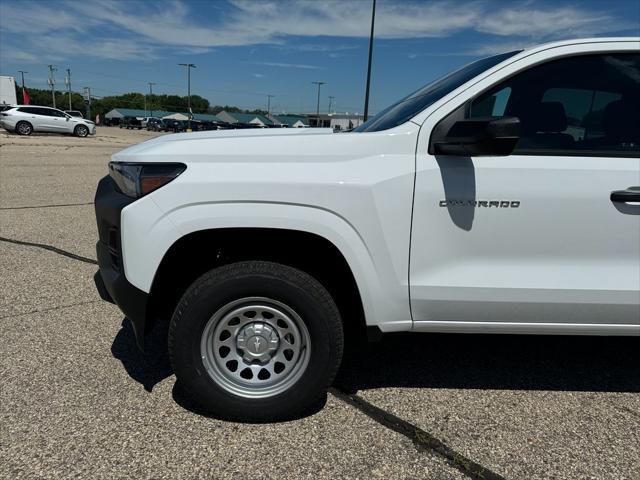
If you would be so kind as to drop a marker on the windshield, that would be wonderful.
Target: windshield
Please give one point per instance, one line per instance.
(410, 106)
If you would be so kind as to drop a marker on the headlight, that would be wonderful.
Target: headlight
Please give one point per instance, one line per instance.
(136, 180)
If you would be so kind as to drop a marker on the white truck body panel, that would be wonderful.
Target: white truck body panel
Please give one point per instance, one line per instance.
(351, 196)
(565, 261)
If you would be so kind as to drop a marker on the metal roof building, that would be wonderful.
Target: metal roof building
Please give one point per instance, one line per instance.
(291, 120)
(233, 117)
(135, 112)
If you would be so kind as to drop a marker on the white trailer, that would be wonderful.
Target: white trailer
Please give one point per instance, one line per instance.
(8, 91)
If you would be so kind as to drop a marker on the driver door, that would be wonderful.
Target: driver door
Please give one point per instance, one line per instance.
(532, 242)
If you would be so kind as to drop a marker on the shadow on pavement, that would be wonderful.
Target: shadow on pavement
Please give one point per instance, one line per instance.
(507, 362)
(502, 362)
(148, 368)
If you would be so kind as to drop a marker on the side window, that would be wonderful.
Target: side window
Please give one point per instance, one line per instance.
(58, 113)
(492, 105)
(29, 110)
(583, 105)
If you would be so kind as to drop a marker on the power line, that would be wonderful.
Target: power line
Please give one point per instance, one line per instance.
(52, 83)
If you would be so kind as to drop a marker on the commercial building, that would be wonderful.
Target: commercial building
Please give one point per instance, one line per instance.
(337, 121)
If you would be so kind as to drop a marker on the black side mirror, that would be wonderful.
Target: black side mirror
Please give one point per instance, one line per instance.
(477, 137)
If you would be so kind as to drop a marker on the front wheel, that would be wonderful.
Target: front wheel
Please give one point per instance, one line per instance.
(256, 341)
(81, 131)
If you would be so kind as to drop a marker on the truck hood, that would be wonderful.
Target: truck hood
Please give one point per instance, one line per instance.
(276, 147)
(195, 143)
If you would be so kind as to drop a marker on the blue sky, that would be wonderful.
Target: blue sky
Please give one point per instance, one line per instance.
(244, 50)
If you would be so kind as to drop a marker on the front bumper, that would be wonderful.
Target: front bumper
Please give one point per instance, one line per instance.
(111, 282)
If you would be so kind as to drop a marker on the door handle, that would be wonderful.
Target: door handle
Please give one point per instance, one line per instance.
(631, 194)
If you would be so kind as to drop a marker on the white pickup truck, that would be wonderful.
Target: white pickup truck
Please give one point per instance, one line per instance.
(502, 198)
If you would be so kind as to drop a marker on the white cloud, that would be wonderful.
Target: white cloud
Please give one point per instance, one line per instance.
(494, 48)
(114, 49)
(529, 21)
(150, 26)
(289, 65)
(14, 55)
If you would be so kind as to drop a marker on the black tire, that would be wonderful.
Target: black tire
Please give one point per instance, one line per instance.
(24, 128)
(294, 288)
(81, 131)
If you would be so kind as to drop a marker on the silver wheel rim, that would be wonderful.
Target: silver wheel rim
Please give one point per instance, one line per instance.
(255, 347)
(82, 131)
(24, 129)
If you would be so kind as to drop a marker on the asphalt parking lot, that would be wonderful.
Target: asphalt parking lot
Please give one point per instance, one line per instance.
(77, 399)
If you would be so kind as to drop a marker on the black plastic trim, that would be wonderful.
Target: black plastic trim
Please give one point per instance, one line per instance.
(111, 283)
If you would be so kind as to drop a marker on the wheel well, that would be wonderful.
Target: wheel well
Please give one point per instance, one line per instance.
(199, 252)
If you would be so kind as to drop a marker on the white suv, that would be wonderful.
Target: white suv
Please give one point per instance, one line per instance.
(26, 119)
(502, 198)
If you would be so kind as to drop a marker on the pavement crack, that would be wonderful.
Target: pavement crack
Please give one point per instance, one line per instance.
(50, 248)
(421, 439)
(43, 310)
(46, 206)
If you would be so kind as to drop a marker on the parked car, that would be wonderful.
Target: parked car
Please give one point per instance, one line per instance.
(180, 126)
(155, 124)
(74, 113)
(131, 123)
(145, 121)
(204, 125)
(502, 198)
(26, 119)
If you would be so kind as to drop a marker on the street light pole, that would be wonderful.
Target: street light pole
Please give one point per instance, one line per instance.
(189, 67)
(67, 80)
(86, 91)
(366, 95)
(269, 97)
(151, 84)
(318, 102)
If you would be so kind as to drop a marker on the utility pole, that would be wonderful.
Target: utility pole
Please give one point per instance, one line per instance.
(67, 82)
(331, 97)
(151, 84)
(366, 94)
(22, 73)
(52, 83)
(269, 97)
(86, 92)
(318, 103)
(189, 67)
